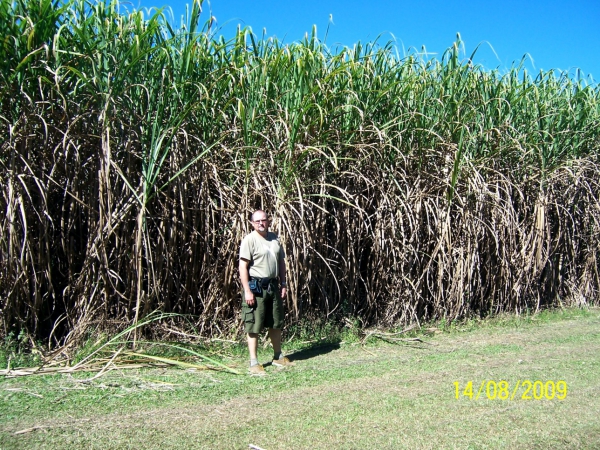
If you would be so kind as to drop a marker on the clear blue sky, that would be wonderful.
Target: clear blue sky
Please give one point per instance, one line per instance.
(557, 34)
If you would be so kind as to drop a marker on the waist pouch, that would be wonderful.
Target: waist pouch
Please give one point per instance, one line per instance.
(258, 284)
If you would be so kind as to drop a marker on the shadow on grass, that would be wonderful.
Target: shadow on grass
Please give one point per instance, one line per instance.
(310, 352)
(314, 350)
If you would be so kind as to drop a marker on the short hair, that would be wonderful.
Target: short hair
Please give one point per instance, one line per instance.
(258, 211)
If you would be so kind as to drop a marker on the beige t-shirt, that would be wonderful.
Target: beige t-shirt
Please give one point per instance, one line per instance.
(263, 253)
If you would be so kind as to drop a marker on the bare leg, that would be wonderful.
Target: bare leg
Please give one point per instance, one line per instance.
(275, 336)
(252, 344)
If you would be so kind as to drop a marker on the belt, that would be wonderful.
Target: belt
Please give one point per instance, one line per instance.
(265, 282)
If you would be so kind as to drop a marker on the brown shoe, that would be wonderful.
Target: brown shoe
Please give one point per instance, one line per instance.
(257, 370)
(282, 362)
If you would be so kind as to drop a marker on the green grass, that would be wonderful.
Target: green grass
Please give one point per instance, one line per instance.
(15, 351)
(376, 395)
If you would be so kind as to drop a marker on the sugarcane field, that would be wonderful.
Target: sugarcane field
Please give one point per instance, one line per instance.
(440, 223)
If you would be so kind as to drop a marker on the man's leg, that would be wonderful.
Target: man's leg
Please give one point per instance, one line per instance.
(253, 346)
(275, 336)
(276, 323)
(278, 358)
(255, 368)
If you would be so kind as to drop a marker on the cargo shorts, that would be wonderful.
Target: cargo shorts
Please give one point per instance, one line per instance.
(267, 313)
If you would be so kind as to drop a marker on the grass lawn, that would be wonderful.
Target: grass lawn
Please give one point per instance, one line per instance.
(353, 395)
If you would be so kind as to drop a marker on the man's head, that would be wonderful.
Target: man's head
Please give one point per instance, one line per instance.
(260, 222)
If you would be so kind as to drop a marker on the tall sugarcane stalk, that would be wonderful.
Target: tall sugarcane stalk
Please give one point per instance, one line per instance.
(404, 188)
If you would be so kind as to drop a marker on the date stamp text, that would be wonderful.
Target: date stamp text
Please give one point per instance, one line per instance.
(503, 390)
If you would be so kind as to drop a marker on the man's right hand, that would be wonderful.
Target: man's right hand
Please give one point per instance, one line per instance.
(250, 301)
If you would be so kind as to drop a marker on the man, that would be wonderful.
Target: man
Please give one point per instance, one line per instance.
(262, 261)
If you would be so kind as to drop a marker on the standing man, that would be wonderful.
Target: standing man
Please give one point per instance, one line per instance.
(262, 264)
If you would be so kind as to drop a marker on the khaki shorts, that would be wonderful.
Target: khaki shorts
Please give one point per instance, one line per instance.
(268, 312)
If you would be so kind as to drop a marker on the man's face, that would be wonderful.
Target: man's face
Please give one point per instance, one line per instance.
(260, 222)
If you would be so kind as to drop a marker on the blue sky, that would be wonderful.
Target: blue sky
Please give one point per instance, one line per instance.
(557, 34)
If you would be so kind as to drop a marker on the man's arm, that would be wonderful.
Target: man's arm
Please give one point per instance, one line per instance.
(244, 278)
(282, 277)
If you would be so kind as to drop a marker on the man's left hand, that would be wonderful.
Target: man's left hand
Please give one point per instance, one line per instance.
(283, 292)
